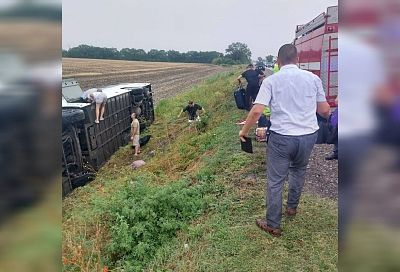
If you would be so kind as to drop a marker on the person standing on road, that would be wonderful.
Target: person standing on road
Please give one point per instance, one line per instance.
(192, 109)
(253, 83)
(135, 133)
(293, 96)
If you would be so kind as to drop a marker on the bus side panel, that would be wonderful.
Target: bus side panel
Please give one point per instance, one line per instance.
(112, 133)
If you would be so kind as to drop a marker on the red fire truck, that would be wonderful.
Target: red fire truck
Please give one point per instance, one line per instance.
(317, 45)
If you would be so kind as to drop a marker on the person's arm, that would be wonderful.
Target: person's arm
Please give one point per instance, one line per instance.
(182, 110)
(202, 109)
(251, 119)
(323, 107)
(239, 79)
(133, 131)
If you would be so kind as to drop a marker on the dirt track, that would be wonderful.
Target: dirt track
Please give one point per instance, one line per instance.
(167, 79)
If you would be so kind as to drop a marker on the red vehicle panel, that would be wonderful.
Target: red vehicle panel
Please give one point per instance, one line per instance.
(317, 45)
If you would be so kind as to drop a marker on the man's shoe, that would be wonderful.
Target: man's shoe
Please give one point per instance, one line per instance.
(263, 225)
(331, 157)
(291, 212)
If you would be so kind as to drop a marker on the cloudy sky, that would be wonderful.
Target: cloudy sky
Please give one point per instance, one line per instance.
(184, 25)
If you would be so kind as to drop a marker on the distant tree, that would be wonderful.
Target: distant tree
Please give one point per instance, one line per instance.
(239, 52)
(270, 58)
(153, 55)
(88, 51)
(209, 56)
(140, 54)
(128, 54)
(224, 61)
(162, 55)
(260, 62)
(175, 56)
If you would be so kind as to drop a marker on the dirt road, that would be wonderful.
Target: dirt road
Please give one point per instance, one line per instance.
(167, 79)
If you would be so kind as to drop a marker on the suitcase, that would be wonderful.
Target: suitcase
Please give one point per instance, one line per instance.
(240, 98)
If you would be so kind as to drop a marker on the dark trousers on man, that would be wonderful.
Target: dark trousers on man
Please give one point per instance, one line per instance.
(286, 155)
(250, 95)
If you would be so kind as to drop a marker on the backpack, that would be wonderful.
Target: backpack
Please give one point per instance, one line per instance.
(240, 98)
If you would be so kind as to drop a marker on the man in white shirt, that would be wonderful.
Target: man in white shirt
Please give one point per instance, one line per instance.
(294, 96)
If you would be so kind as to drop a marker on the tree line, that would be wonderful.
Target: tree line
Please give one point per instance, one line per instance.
(236, 53)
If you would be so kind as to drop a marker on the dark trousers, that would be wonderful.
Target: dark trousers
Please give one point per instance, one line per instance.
(251, 94)
(286, 155)
(264, 121)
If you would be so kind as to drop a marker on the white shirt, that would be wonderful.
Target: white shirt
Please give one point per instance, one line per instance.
(292, 95)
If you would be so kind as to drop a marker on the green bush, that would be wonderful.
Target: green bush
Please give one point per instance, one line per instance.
(201, 126)
(142, 218)
(224, 61)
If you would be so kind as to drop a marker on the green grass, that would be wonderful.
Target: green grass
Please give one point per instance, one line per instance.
(199, 189)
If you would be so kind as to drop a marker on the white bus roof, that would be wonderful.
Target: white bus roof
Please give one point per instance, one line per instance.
(110, 91)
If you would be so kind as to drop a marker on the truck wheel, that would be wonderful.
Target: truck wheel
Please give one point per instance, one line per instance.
(71, 116)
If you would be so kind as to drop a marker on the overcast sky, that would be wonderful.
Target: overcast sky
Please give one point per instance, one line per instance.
(184, 25)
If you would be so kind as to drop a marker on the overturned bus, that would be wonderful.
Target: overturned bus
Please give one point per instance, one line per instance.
(86, 146)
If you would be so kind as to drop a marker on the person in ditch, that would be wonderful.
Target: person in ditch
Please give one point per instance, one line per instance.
(192, 109)
(135, 134)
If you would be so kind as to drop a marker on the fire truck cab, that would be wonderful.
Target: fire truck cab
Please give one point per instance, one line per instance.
(317, 46)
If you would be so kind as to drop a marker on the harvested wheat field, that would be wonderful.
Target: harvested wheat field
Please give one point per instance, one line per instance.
(167, 78)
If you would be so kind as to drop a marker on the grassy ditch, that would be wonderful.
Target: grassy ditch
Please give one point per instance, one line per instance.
(192, 206)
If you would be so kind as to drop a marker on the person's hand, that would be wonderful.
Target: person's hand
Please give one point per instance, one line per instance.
(131, 138)
(242, 136)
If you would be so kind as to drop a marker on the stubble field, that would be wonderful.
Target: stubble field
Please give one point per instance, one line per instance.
(167, 78)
